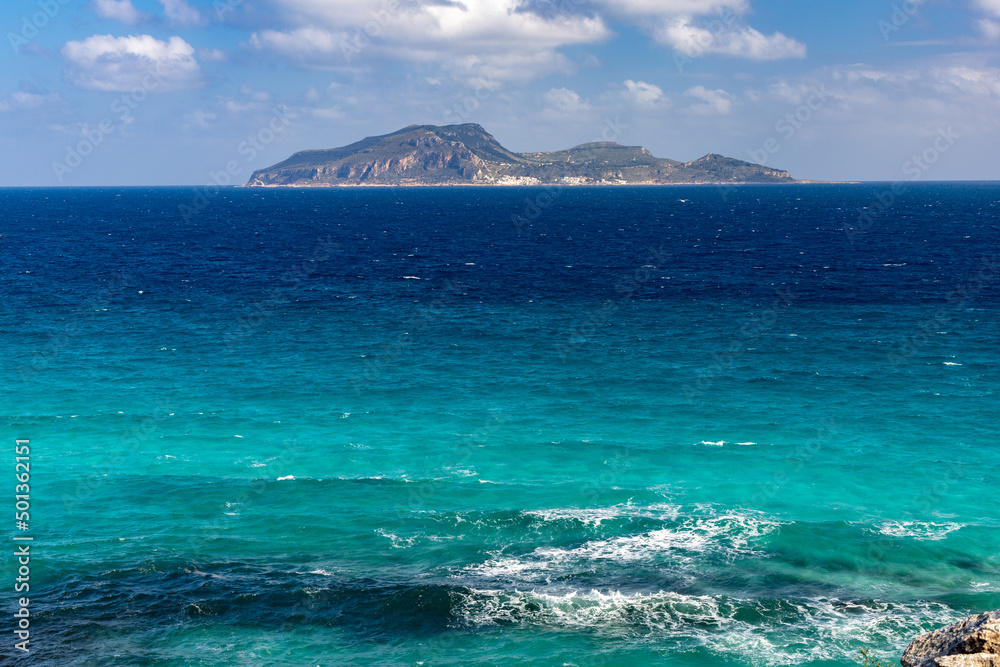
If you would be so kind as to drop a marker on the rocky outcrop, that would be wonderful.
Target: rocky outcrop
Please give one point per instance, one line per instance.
(973, 642)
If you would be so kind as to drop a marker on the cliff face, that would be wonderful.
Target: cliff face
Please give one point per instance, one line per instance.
(467, 154)
(972, 642)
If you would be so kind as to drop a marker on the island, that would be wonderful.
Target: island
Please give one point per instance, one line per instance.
(467, 154)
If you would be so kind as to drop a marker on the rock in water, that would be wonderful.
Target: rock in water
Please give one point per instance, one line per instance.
(974, 642)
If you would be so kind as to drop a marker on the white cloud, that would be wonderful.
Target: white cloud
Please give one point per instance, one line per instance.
(104, 62)
(969, 80)
(693, 41)
(217, 55)
(566, 100)
(199, 119)
(503, 39)
(178, 12)
(307, 43)
(255, 95)
(959, 90)
(118, 10)
(644, 94)
(26, 100)
(699, 27)
(327, 113)
(672, 7)
(990, 29)
(792, 93)
(989, 6)
(711, 101)
(489, 38)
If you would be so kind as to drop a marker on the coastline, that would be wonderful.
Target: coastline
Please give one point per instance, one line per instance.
(540, 185)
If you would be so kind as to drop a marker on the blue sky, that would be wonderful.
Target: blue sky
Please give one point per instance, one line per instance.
(150, 92)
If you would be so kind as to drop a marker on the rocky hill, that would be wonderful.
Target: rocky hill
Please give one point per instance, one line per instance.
(467, 154)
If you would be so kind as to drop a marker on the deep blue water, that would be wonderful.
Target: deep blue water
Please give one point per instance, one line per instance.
(487, 426)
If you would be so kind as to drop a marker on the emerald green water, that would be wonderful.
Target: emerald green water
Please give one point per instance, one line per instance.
(778, 449)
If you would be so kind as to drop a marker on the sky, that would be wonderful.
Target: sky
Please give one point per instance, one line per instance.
(188, 92)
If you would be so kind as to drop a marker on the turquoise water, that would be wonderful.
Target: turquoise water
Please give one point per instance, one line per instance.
(671, 426)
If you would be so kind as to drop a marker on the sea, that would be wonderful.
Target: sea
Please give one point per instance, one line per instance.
(727, 426)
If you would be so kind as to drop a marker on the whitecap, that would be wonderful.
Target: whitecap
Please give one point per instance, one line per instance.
(396, 541)
(683, 546)
(286, 478)
(919, 530)
(836, 628)
(593, 516)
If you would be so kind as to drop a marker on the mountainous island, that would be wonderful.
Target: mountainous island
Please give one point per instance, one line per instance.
(468, 155)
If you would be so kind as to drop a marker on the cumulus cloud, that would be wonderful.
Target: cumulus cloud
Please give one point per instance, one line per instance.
(990, 29)
(983, 82)
(566, 100)
(104, 62)
(492, 38)
(644, 94)
(710, 101)
(989, 6)
(308, 43)
(689, 39)
(179, 12)
(504, 39)
(671, 7)
(961, 89)
(23, 99)
(118, 10)
(198, 118)
(698, 27)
